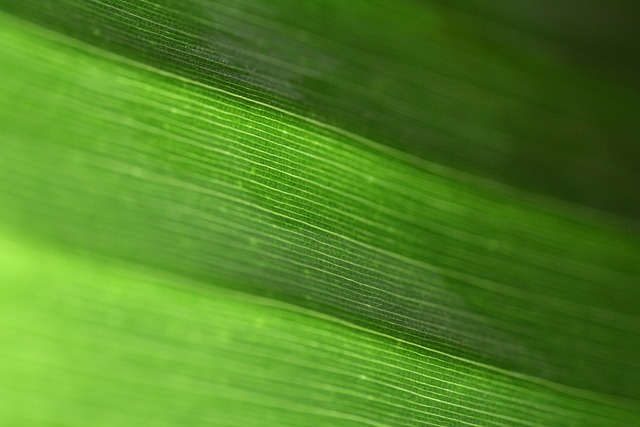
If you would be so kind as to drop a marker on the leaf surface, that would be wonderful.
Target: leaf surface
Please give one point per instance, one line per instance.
(188, 244)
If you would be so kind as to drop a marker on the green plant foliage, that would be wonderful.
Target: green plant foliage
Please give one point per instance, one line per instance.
(311, 213)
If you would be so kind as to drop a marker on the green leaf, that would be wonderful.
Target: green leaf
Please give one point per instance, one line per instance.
(331, 213)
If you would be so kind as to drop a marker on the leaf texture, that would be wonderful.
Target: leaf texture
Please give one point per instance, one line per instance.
(196, 233)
